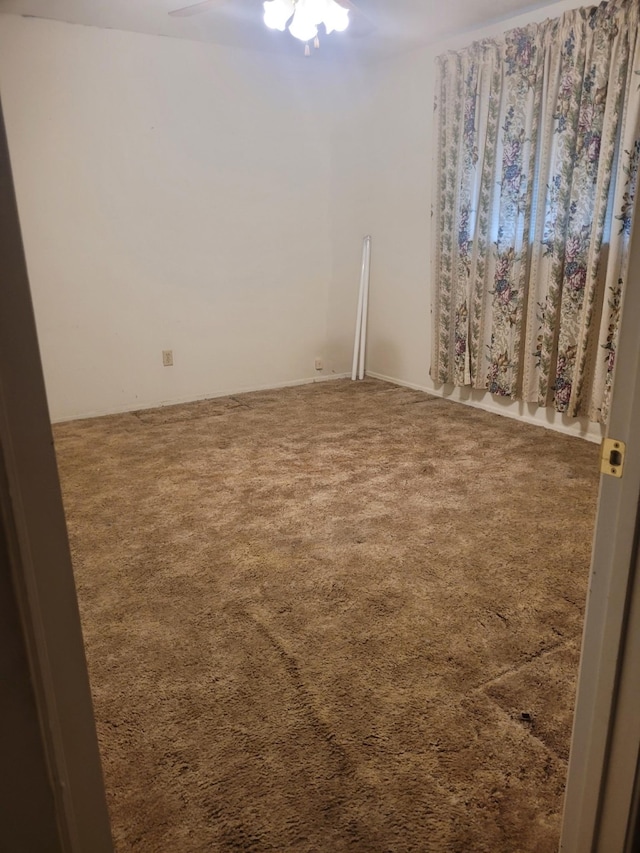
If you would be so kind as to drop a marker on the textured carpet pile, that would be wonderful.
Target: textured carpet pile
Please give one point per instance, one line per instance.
(314, 618)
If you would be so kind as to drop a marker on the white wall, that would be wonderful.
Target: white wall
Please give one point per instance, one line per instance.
(172, 195)
(399, 132)
(352, 204)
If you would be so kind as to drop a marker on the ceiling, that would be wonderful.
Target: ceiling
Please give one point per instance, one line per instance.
(400, 24)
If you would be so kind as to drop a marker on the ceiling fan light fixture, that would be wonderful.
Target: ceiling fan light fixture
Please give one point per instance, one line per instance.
(277, 13)
(303, 26)
(305, 17)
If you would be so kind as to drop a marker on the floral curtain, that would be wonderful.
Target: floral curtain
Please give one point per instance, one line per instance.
(537, 149)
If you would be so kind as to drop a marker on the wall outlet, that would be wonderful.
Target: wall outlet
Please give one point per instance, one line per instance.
(167, 358)
(318, 364)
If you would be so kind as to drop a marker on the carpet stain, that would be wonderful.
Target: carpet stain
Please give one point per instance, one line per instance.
(315, 617)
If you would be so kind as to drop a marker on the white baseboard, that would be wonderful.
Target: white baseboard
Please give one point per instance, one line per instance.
(580, 429)
(139, 407)
(590, 432)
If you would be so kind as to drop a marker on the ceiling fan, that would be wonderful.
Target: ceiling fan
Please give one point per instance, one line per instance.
(360, 25)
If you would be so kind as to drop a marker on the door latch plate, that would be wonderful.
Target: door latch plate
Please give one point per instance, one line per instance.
(612, 457)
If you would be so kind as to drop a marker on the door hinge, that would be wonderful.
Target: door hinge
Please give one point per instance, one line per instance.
(612, 457)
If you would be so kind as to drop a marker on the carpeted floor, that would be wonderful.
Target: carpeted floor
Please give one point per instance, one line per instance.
(314, 617)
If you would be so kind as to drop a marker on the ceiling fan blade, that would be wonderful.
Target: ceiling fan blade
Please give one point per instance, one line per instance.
(195, 9)
(361, 24)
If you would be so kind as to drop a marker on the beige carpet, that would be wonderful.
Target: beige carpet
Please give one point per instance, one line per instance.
(314, 617)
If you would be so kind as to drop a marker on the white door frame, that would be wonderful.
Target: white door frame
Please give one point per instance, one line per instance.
(606, 729)
(33, 524)
(618, 819)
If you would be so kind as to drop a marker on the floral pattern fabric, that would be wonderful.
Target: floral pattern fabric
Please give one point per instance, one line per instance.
(537, 153)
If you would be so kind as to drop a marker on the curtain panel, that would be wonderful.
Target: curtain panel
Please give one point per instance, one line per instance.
(537, 150)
